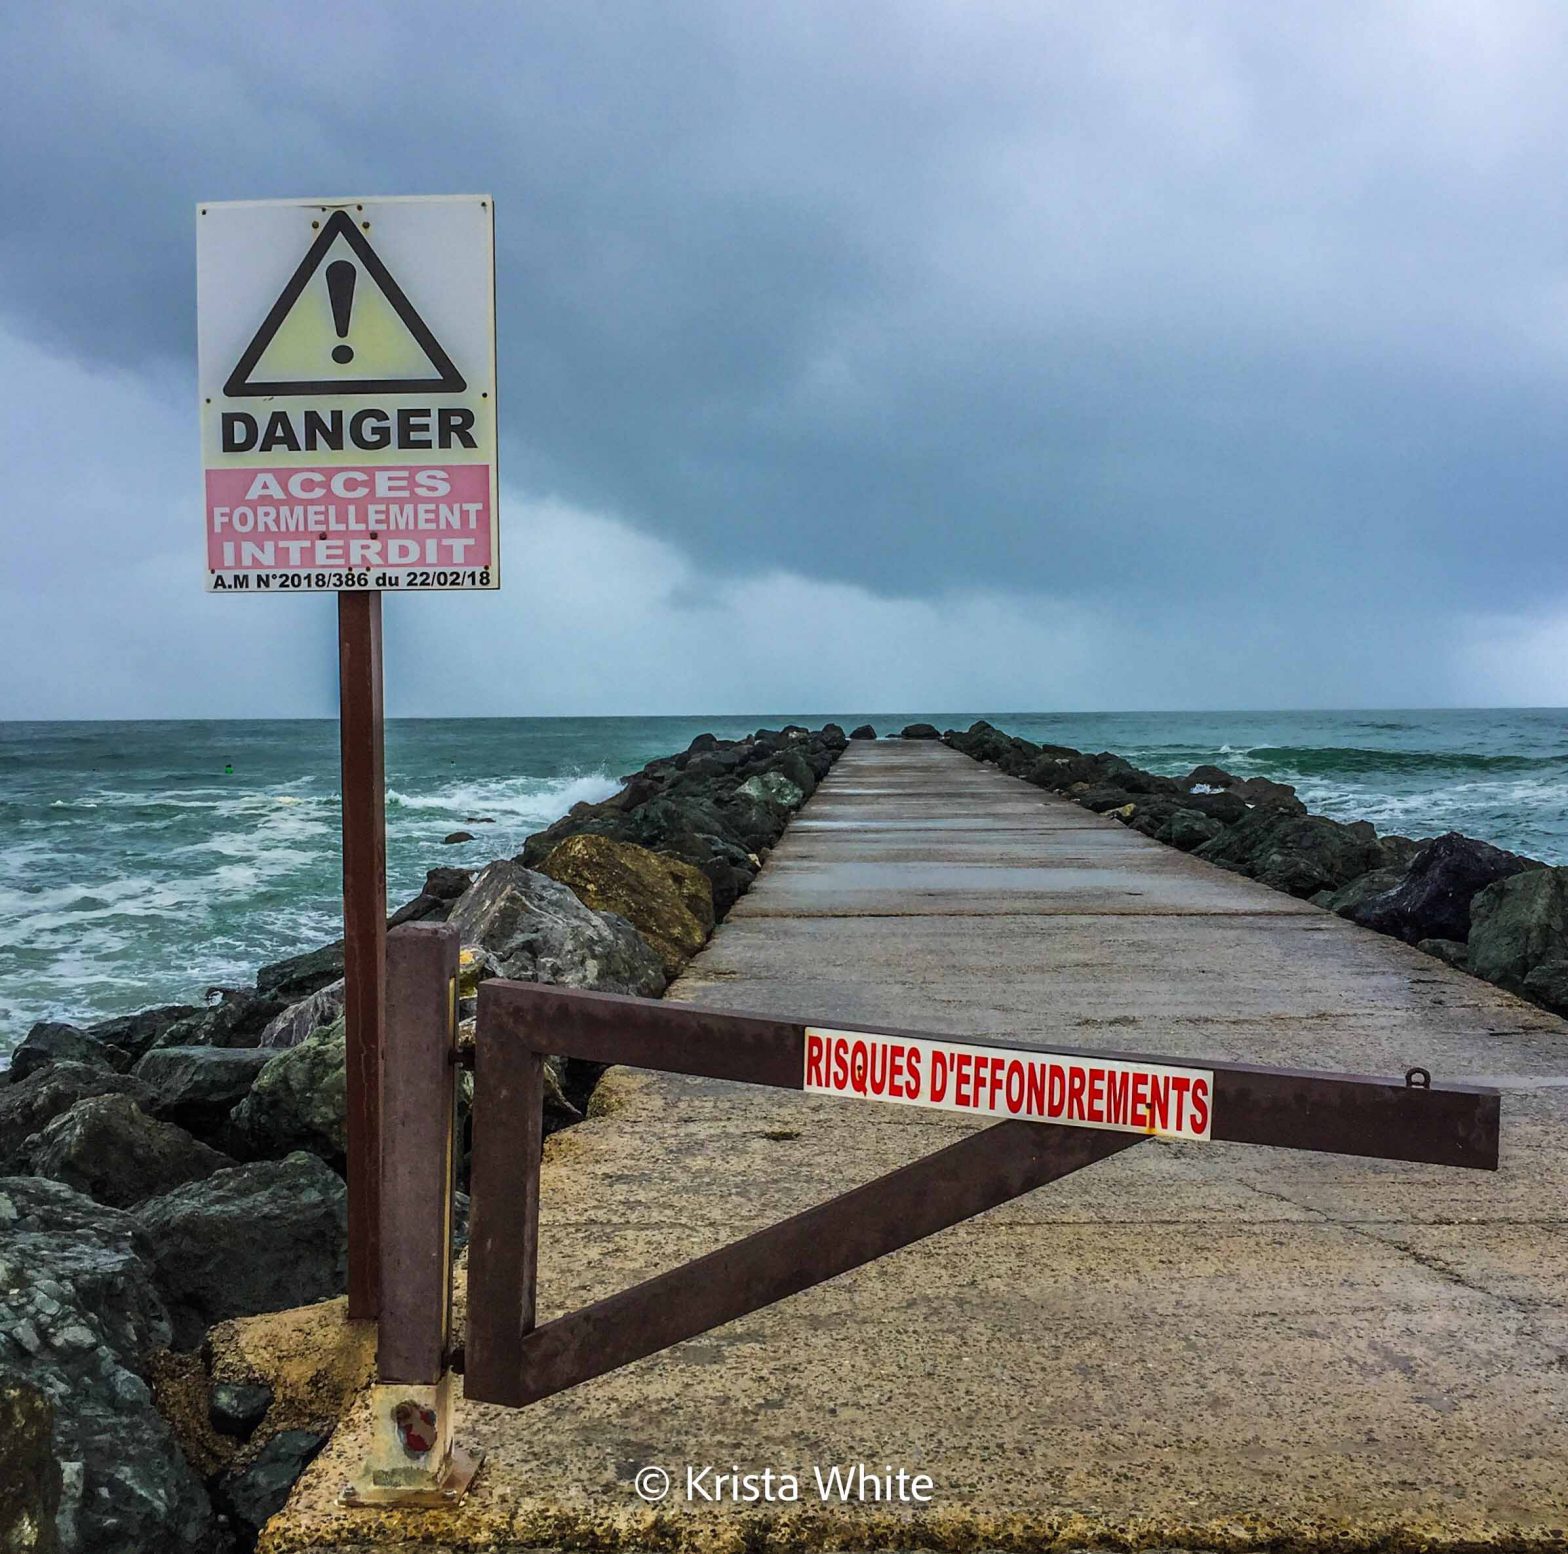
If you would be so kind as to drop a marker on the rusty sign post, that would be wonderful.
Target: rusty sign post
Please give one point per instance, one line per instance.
(412, 1456)
(363, 756)
(346, 367)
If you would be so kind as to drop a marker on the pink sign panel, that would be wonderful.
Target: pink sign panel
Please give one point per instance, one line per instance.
(388, 518)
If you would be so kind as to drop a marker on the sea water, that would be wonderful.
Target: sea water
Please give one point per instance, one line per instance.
(142, 863)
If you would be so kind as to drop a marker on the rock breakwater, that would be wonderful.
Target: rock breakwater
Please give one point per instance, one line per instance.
(1496, 914)
(170, 1170)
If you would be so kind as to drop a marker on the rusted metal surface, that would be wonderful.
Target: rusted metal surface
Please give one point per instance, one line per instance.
(1349, 1114)
(418, 1109)
(364, 928)
(1353, 1114)
(646, 1032)
(967, 1178)
(510, 1361)
(503, 1230)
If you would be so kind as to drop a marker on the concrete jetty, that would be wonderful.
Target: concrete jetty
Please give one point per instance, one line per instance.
(1191, 1344)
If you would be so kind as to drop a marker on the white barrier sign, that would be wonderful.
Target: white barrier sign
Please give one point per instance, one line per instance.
(346, 361)
(1085, 1092)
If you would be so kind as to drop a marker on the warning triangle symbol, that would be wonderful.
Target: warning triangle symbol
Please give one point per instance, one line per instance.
(342, 325)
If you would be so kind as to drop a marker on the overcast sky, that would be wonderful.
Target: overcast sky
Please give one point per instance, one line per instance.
(950, 356)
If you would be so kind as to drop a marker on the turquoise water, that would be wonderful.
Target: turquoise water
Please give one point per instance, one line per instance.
(143, 862)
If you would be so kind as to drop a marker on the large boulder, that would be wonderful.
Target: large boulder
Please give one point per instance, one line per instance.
(299, 1101)
(1298, 854)
(1547, 983)
(446, 883)
(52, 1041)
(259, 1237)
(134, 1033)
(29, 1471)
(669, 902)
(1092, 771)
(109, 1148)
(536, 930)
(197, 1087)
(682, 826)
(865, 731)
(1189, 829)
(292, 979)
(1046, 768)
(1140, 781)
(79, 1313)
(1102, 799)
(1223, 807)
(1519, 935)
(27, 1104)
(236, 1020)
(753, 815)
(920, 731)
(296, 1022)
(252, 1494)
(236, 1408)
(1209, 778)
(1351, 897)
(1261, 791)
(1149, 813)
(794, 767)
(441, 888)
(1450, 951)
(1265, 793)
(1431, 898)
(773, 787)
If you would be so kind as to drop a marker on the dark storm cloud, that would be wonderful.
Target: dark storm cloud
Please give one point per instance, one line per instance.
(1114, 305)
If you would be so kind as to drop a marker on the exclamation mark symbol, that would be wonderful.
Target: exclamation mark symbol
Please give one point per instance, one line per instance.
(340, 292)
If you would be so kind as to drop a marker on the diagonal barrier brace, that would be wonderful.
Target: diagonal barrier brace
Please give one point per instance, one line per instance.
(508, 1363)
(1068, 1109)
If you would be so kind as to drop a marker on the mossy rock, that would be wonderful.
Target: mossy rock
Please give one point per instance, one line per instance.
(669, 902)
(299, 1101)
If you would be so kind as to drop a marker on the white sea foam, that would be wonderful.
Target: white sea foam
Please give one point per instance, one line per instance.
(534, 800)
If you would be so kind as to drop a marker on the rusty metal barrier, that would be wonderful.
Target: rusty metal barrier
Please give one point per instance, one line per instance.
(510, 1360)
(1066, 1109)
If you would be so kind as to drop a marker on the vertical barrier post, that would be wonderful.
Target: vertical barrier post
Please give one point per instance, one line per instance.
(412, 1456)
(503, 1236)
(364, 926)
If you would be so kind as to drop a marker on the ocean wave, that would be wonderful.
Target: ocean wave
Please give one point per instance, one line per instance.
(534, 800)
(1524, 816)
(1331, 760)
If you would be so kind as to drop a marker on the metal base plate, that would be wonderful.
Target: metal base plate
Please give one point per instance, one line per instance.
(461, 1468)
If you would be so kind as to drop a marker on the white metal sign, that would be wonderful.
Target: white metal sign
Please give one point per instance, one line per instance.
(348, 396)
(1124, 1095)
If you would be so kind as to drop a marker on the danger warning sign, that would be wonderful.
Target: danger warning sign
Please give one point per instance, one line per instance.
(347, 372)
(1085, 1092)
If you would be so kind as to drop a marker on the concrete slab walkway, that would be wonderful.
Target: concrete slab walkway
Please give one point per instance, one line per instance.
(1194, 1345)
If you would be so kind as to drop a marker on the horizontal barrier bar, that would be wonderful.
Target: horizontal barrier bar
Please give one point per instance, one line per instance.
(1353, 1114)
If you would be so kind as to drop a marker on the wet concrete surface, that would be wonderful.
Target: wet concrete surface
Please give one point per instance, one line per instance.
(1189, 1345)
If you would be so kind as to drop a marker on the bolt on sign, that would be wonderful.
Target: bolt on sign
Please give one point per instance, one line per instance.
(347, 376)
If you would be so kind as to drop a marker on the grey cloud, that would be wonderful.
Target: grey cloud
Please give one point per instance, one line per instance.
(1148, 308)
